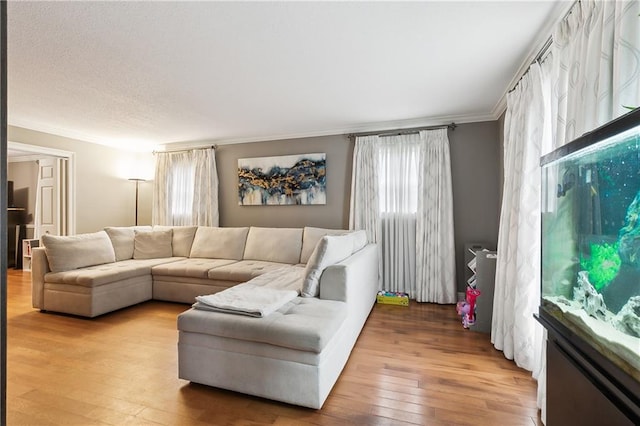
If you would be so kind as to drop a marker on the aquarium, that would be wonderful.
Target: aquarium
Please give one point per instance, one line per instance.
(591, 241)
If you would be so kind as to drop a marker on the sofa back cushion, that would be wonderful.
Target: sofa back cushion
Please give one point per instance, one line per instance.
(330, 250)
(359, 240)
(182, 239)
(310, 238)
(219, 243)
(280, 245)
(65, 253)
(122, 239)
(152, 244)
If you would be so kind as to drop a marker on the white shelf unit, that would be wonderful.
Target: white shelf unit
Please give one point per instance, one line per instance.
(481, 264)
(27, 246)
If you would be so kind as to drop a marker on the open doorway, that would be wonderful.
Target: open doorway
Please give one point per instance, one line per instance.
(43, 193)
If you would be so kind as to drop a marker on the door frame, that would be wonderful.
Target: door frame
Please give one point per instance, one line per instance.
(37, 152)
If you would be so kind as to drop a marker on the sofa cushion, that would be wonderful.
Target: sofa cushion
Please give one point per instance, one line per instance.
(359, 240)
(182, 238)
(98, 275)
(302, 324)
(281, 245)
(122, 239)
(65, 253)
(243, 270)
(219, 243)
(310, 238)
(196, 267)
(330, 250)
(152, 244)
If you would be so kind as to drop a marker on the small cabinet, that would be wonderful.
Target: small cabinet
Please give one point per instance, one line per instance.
(27, 247)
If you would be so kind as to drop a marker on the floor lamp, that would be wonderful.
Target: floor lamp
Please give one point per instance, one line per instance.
(137, 181)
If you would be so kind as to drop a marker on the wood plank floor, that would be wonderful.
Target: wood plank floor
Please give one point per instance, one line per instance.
(413, 365)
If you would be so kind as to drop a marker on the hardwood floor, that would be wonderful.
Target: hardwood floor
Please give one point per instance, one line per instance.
(414, 365)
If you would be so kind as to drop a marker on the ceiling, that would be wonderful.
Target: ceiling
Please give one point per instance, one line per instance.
(139, 75)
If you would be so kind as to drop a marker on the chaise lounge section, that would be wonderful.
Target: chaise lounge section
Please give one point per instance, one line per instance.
(294, 355)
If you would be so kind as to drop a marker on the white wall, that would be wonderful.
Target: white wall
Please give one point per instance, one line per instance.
(104, 195)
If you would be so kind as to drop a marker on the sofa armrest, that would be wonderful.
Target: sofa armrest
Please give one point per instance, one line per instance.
(354, 277)
(39, 267)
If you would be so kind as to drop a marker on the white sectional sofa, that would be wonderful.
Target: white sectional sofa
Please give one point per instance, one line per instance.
(293, 355)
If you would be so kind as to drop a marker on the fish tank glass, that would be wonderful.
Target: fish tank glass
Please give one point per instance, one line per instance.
(591, 240)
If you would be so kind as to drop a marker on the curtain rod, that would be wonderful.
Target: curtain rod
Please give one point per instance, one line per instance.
(546, 47)
(187, 149)
(542, 54)
(385, 133)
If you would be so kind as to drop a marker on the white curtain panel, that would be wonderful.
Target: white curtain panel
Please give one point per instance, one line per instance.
(435, 248)
(517, 284)
(364, 213)
(593, 77)
(160, 213)
(364, 210)
(186, 188)
(401, 196)
(205, 189)
(597, 66)
(592, 74)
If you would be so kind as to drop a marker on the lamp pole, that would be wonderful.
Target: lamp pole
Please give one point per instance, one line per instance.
(137, 181)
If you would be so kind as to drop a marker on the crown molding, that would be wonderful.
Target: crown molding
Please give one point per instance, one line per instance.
(361, 128)
(132, 146)
(559, 12)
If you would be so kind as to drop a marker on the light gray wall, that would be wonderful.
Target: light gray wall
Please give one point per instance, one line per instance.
(335, 214)
(475, 174)
(104, 196)
(476, 178)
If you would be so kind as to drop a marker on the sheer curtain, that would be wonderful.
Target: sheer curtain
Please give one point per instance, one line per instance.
(186, 188)
(397, 204)
(401, 196)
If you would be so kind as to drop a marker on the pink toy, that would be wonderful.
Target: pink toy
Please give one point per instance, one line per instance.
(467, 308)
(472, 295)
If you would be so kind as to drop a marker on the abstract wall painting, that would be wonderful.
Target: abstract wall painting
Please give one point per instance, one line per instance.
(287, 179)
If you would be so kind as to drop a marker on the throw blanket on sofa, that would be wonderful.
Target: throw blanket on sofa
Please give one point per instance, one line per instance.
(257, 297)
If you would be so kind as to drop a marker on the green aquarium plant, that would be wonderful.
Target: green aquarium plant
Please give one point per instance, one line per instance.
(603, 264)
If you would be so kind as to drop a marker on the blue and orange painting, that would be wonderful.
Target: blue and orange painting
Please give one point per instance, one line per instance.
(287, 179)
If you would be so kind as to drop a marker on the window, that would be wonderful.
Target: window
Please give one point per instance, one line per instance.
(398, 178)
(186, 188)
(182, 185)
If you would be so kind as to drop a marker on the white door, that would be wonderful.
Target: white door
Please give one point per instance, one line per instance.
(51, 200)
